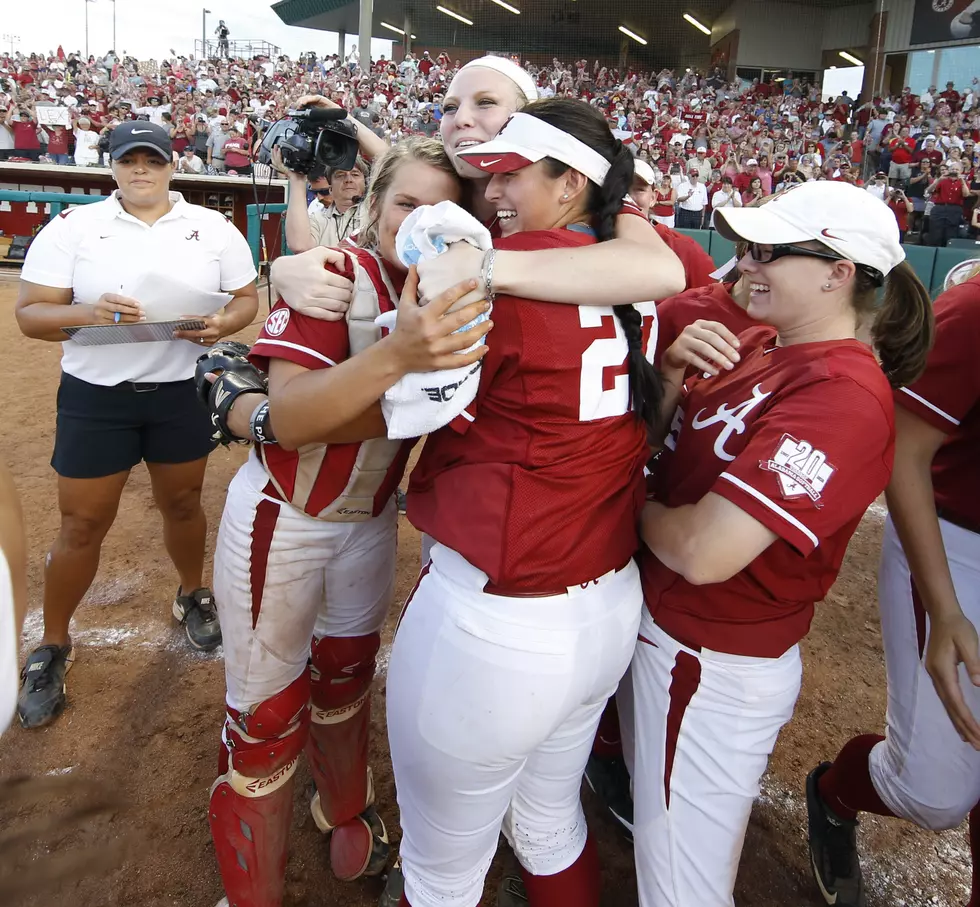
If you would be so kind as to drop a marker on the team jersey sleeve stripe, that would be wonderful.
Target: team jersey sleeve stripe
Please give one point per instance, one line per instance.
(931, 406)
(771, 505)
(260, 348)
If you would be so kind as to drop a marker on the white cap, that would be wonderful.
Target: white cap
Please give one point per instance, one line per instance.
(850, 221)
(526, 139)
(644, 171)
(751, 161)
(510, 69)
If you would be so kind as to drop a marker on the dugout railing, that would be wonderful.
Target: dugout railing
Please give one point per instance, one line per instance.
(931, 264)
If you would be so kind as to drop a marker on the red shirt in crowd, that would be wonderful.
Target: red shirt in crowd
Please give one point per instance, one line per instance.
(948, 191)
(57, 141)
(901, 213)
(901, 149)
(947, 397)
(25, 135)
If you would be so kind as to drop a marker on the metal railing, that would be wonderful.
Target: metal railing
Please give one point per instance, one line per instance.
(57, 200)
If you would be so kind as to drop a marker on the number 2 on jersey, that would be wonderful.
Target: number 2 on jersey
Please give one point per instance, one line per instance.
(607, 352)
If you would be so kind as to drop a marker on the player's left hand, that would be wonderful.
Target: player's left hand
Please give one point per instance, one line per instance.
(952, 642)
(459, 262)
(705, 345)
(215, 329)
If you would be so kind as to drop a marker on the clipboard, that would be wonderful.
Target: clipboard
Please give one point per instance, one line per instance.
(144, 332)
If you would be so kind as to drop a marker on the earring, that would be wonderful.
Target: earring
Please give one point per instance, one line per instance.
(826, 286)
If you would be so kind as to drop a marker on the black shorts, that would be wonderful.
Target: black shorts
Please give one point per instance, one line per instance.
(104, 430)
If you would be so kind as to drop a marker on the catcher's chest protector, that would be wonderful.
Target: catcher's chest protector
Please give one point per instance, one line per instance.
(373, 294)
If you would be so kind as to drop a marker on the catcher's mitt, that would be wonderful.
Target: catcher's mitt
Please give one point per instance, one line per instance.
(234, 376)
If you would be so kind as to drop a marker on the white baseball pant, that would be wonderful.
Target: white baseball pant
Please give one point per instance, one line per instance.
(493, 703)
(320, 579)
(923, 771)
(703, 727)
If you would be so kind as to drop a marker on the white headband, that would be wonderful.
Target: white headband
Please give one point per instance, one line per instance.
(513, 72)
(525, 139)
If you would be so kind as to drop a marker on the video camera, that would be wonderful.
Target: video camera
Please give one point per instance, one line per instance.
(311, 141)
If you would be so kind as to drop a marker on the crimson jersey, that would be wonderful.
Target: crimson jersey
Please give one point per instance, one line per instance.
(802, 439)
(337, 482)
(698, 265)
(712, 303)
(947, 396)
(541, 486)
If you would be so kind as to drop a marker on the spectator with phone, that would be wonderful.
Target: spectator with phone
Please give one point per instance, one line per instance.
(901, 206)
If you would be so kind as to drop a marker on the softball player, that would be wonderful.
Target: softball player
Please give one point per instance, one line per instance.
(767, 470)
(635, 266)
(608, 768)
(523, 622)
(306, 551)
(927, 766)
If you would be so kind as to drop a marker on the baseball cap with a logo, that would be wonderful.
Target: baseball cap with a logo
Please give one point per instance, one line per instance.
(129, 136)
(852, 222)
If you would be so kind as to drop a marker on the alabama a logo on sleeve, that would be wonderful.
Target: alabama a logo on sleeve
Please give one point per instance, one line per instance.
(800, 468)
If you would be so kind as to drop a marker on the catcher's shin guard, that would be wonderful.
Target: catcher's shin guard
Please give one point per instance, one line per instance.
(252, 801)
(343, 668)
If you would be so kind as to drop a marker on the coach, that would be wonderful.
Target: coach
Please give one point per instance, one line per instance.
(125, 403)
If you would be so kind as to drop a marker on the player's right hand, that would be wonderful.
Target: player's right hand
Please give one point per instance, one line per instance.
(706, 346)
(104, 311)
(952, 642)
(306, 286)
(424, 337)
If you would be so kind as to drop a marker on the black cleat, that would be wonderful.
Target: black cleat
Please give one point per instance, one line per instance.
(610, 782)
(199, 617)
(511, 891)
(833, 849)
(394, 887)
(42, 692)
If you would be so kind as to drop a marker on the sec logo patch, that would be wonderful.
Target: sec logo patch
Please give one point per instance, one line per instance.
(276, 323)
(801, 469)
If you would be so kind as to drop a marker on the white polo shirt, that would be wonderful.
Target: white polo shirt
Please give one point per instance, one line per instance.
(99, 248)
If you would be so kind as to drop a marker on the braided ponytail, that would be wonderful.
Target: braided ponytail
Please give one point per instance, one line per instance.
(605, 202)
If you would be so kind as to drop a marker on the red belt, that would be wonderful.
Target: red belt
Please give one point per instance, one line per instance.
(493, 589)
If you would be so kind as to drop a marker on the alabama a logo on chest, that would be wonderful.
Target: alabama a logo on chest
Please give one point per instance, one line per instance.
(732, 420)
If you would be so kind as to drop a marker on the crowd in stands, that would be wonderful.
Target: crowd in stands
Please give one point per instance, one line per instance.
(709, 142)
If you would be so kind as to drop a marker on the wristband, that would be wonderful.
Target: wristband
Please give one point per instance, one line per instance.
(486, 272)
(260, 425)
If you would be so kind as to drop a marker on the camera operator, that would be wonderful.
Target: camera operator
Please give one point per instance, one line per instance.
(901, 206)
(336, 215)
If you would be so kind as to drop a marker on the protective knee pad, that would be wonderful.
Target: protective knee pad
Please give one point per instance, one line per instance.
(342, 671)
(251, 802)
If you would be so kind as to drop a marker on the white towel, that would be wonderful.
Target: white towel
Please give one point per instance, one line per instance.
(422, 402)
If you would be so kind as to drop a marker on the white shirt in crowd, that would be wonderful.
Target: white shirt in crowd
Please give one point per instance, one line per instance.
(154, 112)
(697, 196)
(99, 248)
(192, 164)
(84, 155)
(721, 199)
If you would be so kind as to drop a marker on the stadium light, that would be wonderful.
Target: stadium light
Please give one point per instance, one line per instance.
(395, 28)
(850, 58)
(698, 25)
(449, 12)
(633, 35)
(508, 7)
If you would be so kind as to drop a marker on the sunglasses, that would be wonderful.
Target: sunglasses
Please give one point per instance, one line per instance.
(322, 192)
(765, 254)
